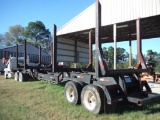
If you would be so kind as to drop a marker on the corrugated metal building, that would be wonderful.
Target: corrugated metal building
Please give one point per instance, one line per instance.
(113, 11)
(120, 13)
(31, 50)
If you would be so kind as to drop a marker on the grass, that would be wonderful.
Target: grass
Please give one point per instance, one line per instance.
(39, 100)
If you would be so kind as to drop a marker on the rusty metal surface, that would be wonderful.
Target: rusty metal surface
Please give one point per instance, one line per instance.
(140, 60)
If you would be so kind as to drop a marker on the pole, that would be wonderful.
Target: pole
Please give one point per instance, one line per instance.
(115, 45)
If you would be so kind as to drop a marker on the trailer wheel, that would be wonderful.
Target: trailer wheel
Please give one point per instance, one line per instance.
(92, 99)
(16, 76)
(22, 77)
(72, 92)
(5, 75)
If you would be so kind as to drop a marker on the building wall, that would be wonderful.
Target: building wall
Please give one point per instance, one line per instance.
(71, 51)
(31, 50)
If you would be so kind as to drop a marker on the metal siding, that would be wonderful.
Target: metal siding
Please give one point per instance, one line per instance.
(83, 55)
(65, 47)
(66, 41)
(80, 44)
(113, 11)
(65, 59)
(30, 49)
(83, 60)
(65, 52)
(80, 49)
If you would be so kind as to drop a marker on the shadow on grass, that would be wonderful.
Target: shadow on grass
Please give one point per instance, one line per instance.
(150, 108)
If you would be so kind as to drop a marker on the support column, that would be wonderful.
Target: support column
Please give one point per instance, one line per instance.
(130, 53)
(98, 37)
(39, 57)
(140, 60)
(54, 56)
(115, 45)
(89, 66)
(76, 60)
(130, 47)
(17, 55)
(25, 56)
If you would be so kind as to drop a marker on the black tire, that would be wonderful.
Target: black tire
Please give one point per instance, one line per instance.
(92, 99)
(22, 77)
(72, 92)
(16, 76)
(5, 75)
(110, 108)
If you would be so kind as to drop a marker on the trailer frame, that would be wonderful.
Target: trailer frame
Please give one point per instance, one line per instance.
(100, 90)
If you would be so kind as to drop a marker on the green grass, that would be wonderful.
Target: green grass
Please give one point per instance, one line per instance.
(39, 100)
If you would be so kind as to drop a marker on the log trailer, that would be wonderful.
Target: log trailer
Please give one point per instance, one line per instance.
(97, 90)
(11, 65)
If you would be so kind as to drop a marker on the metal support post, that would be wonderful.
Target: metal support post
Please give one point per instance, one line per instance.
(115, 45)
(39, 56)
(100, 64)
(90, 66)
(25, 56)
(130, 53)
(98, 36)
(54, 49)
(17, 55)
(130, 47)
(140, 60)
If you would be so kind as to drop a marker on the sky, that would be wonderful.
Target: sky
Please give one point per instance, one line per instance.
(59, 12)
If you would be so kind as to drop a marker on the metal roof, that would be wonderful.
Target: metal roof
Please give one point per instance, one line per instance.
(121, 12)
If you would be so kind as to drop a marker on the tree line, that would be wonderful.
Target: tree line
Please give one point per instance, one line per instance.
(35, 33)
(151, 57)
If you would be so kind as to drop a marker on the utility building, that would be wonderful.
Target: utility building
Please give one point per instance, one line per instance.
(118, 20)
(32, 52)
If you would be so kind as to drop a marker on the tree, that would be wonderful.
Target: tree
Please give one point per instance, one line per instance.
(37, 33)
(2, 40)
(110, 57)
(1, 37)
(157, 67)
(15, 35)
(122, 57)
(151, 55)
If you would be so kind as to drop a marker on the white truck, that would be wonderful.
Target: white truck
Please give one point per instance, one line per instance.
(11, 66)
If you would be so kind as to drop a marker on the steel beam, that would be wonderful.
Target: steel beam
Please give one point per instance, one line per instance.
(39, 56)
(54, 49)
(100, 64)
(25, 56)
(115, 45)
(98, 37)
(17, 55)
(140, 60)
(130, 47)
(90, 65)
(130, 53)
